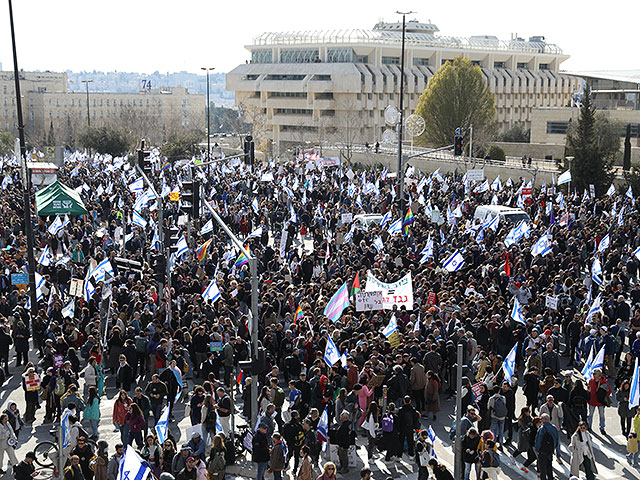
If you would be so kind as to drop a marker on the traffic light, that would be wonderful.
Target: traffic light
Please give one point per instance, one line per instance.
(171, 238)
(159, 265)
(249, 149)
(457, 145)
(191, 196)
(143, 162)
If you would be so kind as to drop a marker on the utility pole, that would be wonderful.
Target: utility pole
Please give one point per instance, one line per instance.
(28, 225)
(470, 143)
(400, 167)
(86, 83)
(208, 115)
(457, 467)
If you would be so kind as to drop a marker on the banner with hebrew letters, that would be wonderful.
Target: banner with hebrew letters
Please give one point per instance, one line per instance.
(398, 293)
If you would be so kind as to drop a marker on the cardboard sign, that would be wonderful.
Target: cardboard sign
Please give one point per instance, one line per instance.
(376, 381)
(32, 382)
(476, 175)
(476, 389)
(394, 340)
(368, 301)
(58, 360)
(346, 218)
(75, 290)
(397, 293)
(551, 302)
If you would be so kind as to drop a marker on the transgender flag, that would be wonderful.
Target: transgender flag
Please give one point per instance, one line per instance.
(338, 303)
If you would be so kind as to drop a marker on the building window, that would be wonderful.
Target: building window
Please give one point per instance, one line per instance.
(321, 78)
(421, 62)
(287, 95)
(328, 113)
(362, 59)
(250, 77)
(498, 65)
(476, 63)
(262, 56)
(557, 128)
(391, 60)
(300, 56)
(284, 77)
(543, 66)
(297, 128)
(340, 55)
(325, 96)
(522, 65)
(293, 111)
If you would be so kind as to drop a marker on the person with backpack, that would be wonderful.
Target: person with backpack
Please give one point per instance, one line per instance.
(498, 410)
(293, 434)
(472, 445)
(527, 429)
(278, 457)
(73, 471)
(217, 463)
(390, 432)
(371, 424)
(546, 443)
(490, 460)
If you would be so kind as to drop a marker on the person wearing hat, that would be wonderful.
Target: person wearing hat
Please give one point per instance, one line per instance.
(189, 471)
(25, 469)
(180, 459)
(260, 450)
(196, 444)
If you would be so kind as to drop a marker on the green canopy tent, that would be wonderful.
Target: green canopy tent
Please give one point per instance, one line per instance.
(58, 199)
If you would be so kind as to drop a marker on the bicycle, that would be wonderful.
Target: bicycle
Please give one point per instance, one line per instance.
(45, 450)
(239, 444)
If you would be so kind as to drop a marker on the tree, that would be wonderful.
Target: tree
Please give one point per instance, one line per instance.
(51, 139)
(180, 146)
(6, 143)
(111, 139)
(626, 159)
(517, 134)
(456, 96)
(496, 153)
(593, 143)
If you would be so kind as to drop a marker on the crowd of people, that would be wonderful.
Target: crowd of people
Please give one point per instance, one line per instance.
(525, 291)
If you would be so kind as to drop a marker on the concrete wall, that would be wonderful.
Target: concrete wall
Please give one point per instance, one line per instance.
(533, 150)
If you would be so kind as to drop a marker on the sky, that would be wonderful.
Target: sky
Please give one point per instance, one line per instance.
(168, 36)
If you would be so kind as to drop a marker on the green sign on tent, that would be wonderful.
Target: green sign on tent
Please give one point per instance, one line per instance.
(58, 199)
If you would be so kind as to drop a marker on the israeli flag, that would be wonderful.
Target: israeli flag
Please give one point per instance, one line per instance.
(634, 392)
(516, 312)
(46, 257)
(587, 364)
(155, 242)
(427, 251)
(496, 186)
(66, 430)
(542, 246)
(102, 270)
(257, 233)
(596, 307)
(611, 190)
(596, 271)
(636, 252)
(518, 233)
(391, 327)
(454, 262)
(347, 237)
(70, 309)
(604, 244)
(629, 193)
(385, 219)
(509, 365)
(492, 223)
(132, 466)
(138, 220)
(331, 354)
(484, 187)
(182, 247)
(395, 227)
(162, 426)
(55, 226)
(254, 205)
(378, 244)
(208, 227)
(137, 185)
(598, 363)
(323, 427)
(212, 292)
(564, 177)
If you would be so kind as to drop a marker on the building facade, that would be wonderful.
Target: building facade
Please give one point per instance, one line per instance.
(334, 86)
(53, 115)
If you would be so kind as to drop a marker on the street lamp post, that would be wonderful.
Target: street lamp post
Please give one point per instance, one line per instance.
(208, 115)
(86, 83)
(400, 172)
(28, 225)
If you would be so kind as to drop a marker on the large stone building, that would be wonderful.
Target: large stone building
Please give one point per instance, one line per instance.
(50, 110)
(334, 86)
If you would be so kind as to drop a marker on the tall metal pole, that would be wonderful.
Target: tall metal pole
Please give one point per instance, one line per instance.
(208, 116)
(87, 82)
(470, 143)
(457, 467)
(28, 226)
(400, 169)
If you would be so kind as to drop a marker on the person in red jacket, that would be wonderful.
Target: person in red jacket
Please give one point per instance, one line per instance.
(599, 390)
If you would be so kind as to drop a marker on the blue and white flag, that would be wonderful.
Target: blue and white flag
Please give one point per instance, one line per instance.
(69, 310)
(257, 233)
(634, 392)
(212, 292)
(56, 226)
(611, 190)
(484, 187)
(155, 241)
(46, 257)
(378, 244)
(254, 205)
(208, 227)
(598, 363)
(587, 364)
(162, 427)
(427, 251)
(542, 246)
(596, 307)
(137, 185)
(629, 193)
(385, 219)
(391, 327)
(182, 247)
(517, 233)
(636, 252)
(103, 269)
(66, 430)
(596, 272)
(492, 223)
(516, 312)
(331, 354)
(454, 262)
(509, 365)
(604, 243)
(137, 219)
(323, 427)
(564, 177)
(496, 186)
(132, 466)
(395, 228)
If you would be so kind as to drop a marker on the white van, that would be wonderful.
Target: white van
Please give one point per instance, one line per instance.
(485, 213)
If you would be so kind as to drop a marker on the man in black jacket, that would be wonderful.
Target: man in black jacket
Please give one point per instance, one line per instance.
(25, 469)
(260, 451)
(124, 375)
(344, 441)
(294, 436)
(5, 343)
(408, 420)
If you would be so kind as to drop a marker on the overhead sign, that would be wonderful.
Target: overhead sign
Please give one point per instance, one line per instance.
(398, 293)
(475, 175)
(368, 301)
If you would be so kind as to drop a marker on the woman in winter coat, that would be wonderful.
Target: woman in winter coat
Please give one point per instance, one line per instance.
(578, 399)
(92, 411)
(152, 453)
(306, 468)
(483, 408)
(527, 429)
(8, 442)
(209, 418)
(581, 449)
(371, 424)
(168, 452)
(136, 422)
(120, 410)
(217, 462)
(472, 445)
(626, 414)
(102, 461)
(432, 394)
(21, 342)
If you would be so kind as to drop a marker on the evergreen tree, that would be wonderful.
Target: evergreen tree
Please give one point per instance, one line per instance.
(593, 155)
(626, 160)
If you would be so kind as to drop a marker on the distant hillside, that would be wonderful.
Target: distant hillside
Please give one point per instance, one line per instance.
(127, 82)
